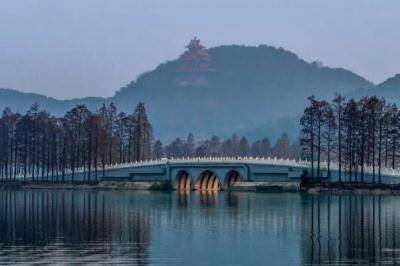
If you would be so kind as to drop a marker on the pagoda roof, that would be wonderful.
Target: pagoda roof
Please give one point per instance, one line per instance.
(195, 43)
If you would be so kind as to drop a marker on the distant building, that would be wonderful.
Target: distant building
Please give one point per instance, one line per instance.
(195, 59)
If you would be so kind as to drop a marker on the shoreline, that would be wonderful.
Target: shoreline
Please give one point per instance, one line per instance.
(338, 188)
(329, 188)
(271, 186)
(76, 185)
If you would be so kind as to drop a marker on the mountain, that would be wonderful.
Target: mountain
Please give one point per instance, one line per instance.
(21, 101)
(220, 90)
(389, 89)
(247, 87)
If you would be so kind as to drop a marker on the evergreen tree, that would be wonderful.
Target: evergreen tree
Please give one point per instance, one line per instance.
(227, 148)
(190, 146)
(158, 150)
(202, 151)
(176, 149)
(244, 149)
(235, 144)
(338, 108)
(265, 147)
(354, 133)
(307, 140)
(143, 134)
(44, 148)
(283, 148)
(215, 146)
(111, 117)
(255, 149)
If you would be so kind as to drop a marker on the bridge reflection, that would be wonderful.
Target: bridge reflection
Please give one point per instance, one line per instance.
(202, 197)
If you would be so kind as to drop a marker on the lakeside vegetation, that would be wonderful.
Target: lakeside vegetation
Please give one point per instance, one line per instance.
(234, 146)
(328, 187)
(38, 146)
(43, 147)
(353, 133)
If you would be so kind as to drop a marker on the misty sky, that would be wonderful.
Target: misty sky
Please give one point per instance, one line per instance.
(76, 48)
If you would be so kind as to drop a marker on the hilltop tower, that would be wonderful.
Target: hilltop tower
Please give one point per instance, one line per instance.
(195, 59)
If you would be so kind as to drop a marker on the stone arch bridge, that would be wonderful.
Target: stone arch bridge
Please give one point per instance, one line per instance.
(219, 173)
(208, 173)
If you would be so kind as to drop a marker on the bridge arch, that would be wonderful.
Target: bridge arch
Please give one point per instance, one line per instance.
(208, 180)
(183, 181)
(231, 178)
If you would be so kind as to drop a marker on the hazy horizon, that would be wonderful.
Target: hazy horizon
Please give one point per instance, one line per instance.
(73, 49)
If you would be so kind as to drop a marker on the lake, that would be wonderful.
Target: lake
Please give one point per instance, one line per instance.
(172, 228)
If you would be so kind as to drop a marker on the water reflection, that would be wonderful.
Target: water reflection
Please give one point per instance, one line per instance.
(54, 221)
(184, 198)
(208, 198)
(143, 228)
(232, 199)
(344, 229)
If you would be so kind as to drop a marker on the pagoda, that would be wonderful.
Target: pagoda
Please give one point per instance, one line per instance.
(195, 59)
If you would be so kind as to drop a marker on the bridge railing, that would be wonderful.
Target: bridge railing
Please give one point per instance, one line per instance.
(250, 160)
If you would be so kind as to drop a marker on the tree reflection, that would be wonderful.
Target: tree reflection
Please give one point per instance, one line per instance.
(350, 229)
(75, 219)
(118, 227)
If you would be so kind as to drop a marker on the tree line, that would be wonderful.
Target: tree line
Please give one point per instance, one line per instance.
(39, 146)
(353, 134)
(234, 146)
(44, 147)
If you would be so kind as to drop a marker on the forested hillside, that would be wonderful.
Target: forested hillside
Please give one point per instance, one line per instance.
(389, 89)
(238, 89)
(21, 102)
(249, 87)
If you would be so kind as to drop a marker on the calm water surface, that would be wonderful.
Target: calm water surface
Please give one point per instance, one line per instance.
(159, 228)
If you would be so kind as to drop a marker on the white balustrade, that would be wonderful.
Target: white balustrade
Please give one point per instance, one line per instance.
(251, 160)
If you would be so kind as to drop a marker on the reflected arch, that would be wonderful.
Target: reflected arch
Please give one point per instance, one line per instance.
(183, 181)
(208, 181)
(231, 178)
